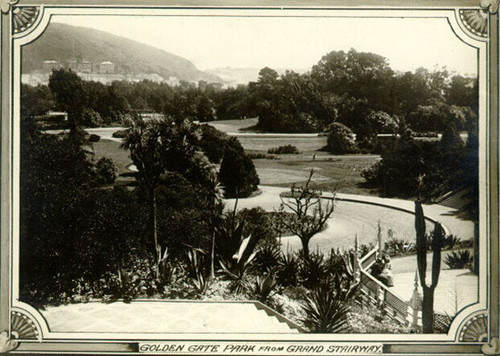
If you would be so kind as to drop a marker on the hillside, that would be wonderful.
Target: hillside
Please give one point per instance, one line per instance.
(62, 43)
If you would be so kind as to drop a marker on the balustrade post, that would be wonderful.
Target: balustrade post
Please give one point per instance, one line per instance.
(415, 303)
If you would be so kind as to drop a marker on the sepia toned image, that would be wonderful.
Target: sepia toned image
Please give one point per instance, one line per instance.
(265, 180)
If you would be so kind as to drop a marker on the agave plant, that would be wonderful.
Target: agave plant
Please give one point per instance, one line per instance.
(314, 270)
(267, 258)
(166, 270)
(128, 285)
(325, 313)
(264, 287)
(396, 247)
(197, 273)
(459, 259)
(452, 241)
(229, 235)
(237, 267)
(288, 269)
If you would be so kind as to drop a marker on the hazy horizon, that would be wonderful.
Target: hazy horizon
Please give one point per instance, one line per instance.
(295, 43)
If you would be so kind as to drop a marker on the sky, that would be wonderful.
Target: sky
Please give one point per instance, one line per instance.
(291, 42)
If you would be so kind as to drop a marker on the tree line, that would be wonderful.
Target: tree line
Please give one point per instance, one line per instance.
(357, 89)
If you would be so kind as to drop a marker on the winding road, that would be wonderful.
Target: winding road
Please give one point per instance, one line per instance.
(358, 215)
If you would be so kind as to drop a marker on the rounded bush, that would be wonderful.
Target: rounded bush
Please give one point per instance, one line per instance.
(340, 139)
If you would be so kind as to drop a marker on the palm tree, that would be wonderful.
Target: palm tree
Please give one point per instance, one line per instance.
(217, 206)
(145, 143)
(159, 146)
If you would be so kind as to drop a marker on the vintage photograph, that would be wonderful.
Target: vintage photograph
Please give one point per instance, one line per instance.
(309, 173)
(248, 171)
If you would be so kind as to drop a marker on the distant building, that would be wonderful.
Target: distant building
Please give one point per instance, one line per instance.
(85, 67)
(80, 66)
(105, 68)
(48, 66)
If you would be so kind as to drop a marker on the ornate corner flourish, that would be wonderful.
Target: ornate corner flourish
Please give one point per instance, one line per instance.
(24, 17)
(23, 327)
(490, 5)
(5, 5)
(476, 21)
(6, 344)
(475, 329)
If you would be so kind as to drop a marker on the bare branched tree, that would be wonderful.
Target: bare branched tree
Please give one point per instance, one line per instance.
(310, 212)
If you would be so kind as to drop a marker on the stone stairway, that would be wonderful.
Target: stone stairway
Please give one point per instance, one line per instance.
(167, 316)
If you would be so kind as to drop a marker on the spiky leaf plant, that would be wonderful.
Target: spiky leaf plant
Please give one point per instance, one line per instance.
(267, 258)
(325, 313)
(264, 287)
(459, 259)
(288, 269)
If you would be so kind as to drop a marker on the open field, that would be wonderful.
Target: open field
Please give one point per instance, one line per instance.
(264, 143)
(332, 173)
(112, 149)
(233, 126)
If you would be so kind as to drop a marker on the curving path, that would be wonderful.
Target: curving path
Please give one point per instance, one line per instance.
(359, 215)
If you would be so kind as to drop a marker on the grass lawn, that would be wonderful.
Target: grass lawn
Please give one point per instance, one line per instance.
(111, 149)
(332, 173)
(233, 125)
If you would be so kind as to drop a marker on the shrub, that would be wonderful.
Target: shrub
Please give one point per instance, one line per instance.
(397, 247)
(237, 267)
(128, 286)
(340, 139)
(120, 133)
(369, 319)
(90, 118)
(262, 156)
(373, 175)
(94, 138)
(452, 241)
(324, 312)
(106, 170)
(237, 172)
(286, 149)
(459, 259)
(213, 143)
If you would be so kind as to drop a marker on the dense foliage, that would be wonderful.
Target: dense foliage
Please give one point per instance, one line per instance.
(237, 172)
(340, 139)
(285, 149)
(426, 169)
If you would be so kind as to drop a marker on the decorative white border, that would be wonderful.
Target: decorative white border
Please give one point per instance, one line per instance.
(458, 28)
